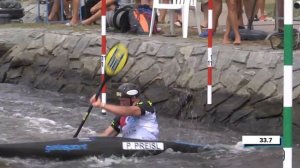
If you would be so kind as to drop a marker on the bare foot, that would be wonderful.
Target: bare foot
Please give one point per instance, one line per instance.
(226, 41)
(74, 22)
(52, 17)
(237, 40)
(86, 22)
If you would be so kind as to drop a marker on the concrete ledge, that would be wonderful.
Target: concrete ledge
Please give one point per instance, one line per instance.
(247, 81)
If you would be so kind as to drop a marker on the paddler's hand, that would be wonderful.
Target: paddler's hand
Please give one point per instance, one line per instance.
(96, 102)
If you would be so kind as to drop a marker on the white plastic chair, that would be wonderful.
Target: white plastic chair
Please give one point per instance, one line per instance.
(184, 5)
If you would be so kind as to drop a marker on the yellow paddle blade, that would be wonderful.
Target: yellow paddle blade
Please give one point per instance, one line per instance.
(116, 59)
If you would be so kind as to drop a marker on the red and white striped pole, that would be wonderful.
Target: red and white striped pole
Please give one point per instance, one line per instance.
(209, 52)
(103, 51)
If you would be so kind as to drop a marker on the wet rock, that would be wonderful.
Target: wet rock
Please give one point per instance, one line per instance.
(265, 92)
(133, 47)
(186, 51)
(14, 73)
(155, 90)
(139, 66)
(80, 46)
(48, 82)
(149, 75)
(167, 51)
(188, 70)
(219, 97)
(194, 105)
(72, 88)
(3, 69)
(70, 43)
(268, 108)
(92, 51)
(198, 51)
(35, 44)
(91, 64)
(28, 77)
(22, 59)
(232, 79)
(230, 105)
(203, 64)
(57, 64)
(51, 41)
(240, 114)
(171, 71)
(153, 48)
(241, 56)
(259, 80)
(260, 60)
(75, 64)
(247, 85)
(198, 80)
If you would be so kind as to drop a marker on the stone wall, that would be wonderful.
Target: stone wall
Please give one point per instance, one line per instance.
(247, 81)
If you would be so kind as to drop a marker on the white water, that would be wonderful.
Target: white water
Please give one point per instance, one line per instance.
(33, 115)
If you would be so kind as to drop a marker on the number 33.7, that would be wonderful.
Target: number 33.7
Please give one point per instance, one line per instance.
(265, 140)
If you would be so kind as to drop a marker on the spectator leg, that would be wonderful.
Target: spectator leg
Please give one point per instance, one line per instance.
(92, 19)
(232, 22)
(217, 10)
(75, 12)
(204, 9)
(53, 16)
(68, 11)
(261, 7)
(249, 5)
(240, 13)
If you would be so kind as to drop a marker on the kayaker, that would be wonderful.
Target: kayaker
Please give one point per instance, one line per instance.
(135, 117)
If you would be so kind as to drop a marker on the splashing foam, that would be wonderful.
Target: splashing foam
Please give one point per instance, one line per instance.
(103, 162)
(239, 147)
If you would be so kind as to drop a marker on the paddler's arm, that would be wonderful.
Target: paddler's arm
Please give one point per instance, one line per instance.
(116, 109)
(109, 132)
(122, 110)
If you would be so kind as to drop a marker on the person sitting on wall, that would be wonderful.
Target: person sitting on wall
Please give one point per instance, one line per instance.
(95, 11)
(91, 11)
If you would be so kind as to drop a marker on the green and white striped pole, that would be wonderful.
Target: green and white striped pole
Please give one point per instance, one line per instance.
(288, 84)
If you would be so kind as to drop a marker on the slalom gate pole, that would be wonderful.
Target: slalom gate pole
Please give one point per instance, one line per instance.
(209, 52)
(288, 84)
(103, 51)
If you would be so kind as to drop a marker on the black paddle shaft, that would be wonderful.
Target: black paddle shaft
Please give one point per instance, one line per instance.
(90, 107)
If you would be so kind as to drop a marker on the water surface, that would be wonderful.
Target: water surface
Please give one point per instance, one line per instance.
(28, 115)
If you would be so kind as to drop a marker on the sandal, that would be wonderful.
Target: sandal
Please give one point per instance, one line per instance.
(263, 18)
(178, 23)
